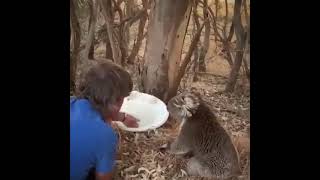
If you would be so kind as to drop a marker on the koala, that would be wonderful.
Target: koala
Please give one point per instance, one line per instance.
(213, 153)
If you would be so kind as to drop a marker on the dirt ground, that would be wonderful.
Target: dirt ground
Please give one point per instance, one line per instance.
(139, 153)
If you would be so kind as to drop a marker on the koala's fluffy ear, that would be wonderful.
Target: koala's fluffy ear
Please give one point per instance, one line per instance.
(188, 101)
(195, 91)
(191, 103)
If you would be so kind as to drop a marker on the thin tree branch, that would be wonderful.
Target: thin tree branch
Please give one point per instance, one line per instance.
(132, 19)
(92, 24)
(214, 23)
(246, 11)
(106, 11)
(225, 20)
(193, 45)
(140, 37)
(188, 56)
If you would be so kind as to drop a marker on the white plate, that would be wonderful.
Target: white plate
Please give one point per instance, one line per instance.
(150, 110)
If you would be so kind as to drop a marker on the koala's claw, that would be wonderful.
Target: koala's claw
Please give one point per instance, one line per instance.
(164, 147)
(188, 155)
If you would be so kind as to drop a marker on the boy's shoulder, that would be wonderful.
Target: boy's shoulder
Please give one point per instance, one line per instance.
(90, 121)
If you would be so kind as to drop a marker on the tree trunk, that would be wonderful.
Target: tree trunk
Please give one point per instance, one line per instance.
(246, 55)
(216, 2)
(121, 33)
(92, 25)
(123, 45)
(114, 43)
(185, 62)
(226, 45)
(166, 32)
(138, 42)
(75, 27)
(239, 31)
(71, 35)
(204, 48)
(196, 51)
(91, 52)
(195, 14)
(226, 17)
(129, 12)
(245, 8)
(109, 54)
(195, 54)
(195, 65)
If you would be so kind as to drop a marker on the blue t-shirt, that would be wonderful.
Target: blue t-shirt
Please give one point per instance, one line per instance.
(93, 142)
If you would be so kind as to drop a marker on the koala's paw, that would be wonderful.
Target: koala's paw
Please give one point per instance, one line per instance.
(188, 155)
(164, 147)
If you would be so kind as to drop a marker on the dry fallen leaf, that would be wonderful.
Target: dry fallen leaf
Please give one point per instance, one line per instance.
(129, 169)
(184, 173)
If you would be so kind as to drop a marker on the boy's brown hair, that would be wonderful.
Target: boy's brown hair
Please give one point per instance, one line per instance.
(104, 84)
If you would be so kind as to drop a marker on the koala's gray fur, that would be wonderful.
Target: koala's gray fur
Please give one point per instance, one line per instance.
(214, 154)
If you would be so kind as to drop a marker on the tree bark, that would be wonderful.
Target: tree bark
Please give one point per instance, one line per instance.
(108, 15)
(204, 48)
(185, 62)
(121, 33)
(123, 45)
(226, 17)
(196, 51)
(195, 65)
(138, 42)
(129, 12)
(166, 32)
(75, 27)
(245, 8)
(239, 31)
(224, 38)
(217, 34)
(92, 25)
(195, 14)
(246, 55)
(109, 54)
(216, 2)
(91, 52)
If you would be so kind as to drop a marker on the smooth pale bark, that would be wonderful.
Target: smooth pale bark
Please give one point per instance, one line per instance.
(166, 32)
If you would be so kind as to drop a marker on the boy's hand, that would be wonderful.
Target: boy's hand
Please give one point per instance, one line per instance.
(130, 121)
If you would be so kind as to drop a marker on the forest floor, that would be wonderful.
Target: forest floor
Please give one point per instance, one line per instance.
(139, 153)
(140, 156)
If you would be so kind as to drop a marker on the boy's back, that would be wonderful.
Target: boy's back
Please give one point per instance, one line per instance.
(92, 141)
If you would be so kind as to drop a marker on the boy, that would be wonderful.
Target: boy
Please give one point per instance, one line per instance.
(93, 142)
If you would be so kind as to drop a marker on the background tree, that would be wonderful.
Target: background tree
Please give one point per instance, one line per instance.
(167, 28)
(75, 44)
(168, 46)
(164, 25)
(241, 39)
